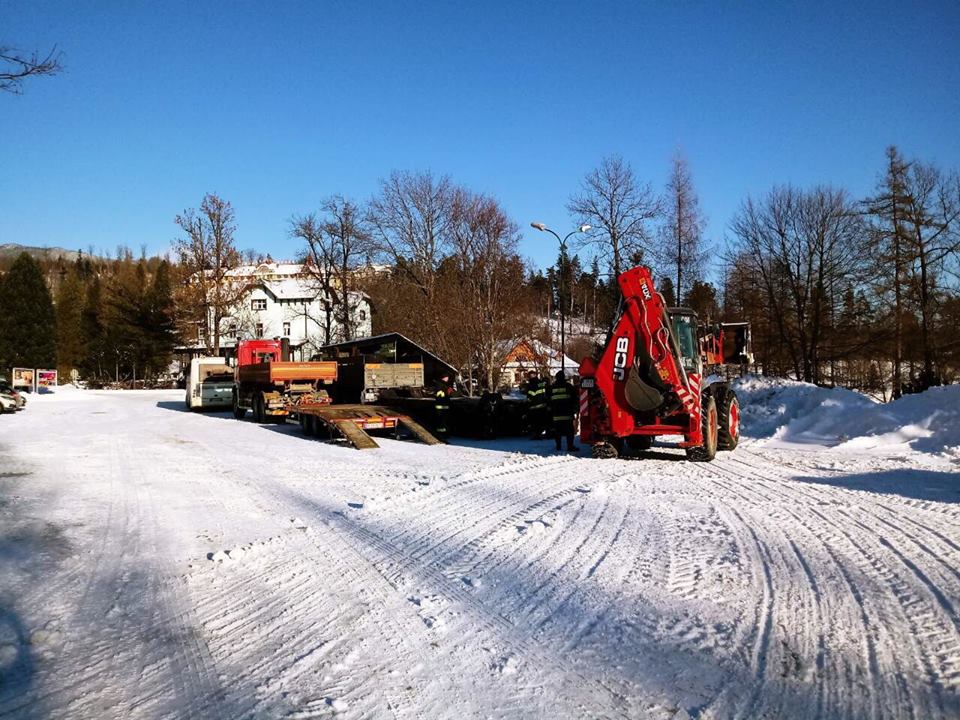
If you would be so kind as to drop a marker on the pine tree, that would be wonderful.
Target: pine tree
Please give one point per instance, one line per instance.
(160, 321)
(669, 294)
(702, 299)
(28, 327)
(889, 210)
(91, 327)
(70, 343)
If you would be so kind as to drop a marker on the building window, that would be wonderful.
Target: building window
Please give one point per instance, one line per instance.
(232, 332)
(258, 304)
(286, 329)
(363, 315)
(258, 329)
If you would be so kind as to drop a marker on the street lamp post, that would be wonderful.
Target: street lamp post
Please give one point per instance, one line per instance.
(563, 255)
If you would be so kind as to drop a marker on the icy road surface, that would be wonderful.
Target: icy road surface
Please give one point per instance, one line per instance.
(157, 563)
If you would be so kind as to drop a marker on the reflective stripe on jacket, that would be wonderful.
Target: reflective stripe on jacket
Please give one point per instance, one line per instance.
(562, 402)
(537, 397)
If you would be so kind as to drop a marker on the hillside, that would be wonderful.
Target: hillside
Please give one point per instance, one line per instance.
(11, 250)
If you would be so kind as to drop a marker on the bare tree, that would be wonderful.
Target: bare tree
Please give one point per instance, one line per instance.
(337, 243)
(490, 278)
(933, 240)
(619, 208)
(209, 254)
(16, 67)
(681, 235)
(800, 245)
(410, 225)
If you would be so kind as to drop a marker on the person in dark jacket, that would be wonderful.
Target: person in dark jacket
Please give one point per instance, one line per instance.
(489, 414)
(536, 392)
(564, 408)
(441, 407)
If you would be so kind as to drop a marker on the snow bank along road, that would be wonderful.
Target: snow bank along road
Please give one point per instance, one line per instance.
(157, 563)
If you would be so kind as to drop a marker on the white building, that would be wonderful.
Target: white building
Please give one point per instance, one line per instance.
(282, 300)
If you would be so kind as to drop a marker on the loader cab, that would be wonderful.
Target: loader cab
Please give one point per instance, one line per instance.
(683, 325)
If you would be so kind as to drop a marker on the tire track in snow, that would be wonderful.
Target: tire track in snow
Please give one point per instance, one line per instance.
(383, 553)
(753, 489)
(937, 617)
(914, 602)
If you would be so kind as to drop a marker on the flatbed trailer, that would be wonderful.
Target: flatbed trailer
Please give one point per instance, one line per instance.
(353, 421)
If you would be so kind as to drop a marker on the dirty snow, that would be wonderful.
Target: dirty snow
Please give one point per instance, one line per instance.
(157, 563)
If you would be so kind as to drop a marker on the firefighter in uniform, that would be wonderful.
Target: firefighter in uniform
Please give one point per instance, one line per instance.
(441, 407)
(564, 408)
(537, 410)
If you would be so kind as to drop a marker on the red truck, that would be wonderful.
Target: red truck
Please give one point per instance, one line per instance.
(268, 383)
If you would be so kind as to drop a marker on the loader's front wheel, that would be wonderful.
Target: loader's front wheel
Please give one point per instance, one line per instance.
(709, 429)
(728, 421)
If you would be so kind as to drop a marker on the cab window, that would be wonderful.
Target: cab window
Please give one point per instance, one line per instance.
(685, 331)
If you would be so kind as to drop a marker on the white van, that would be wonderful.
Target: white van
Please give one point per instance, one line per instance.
(210, 384)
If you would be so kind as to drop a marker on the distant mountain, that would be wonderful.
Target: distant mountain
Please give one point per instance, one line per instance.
(13, 249)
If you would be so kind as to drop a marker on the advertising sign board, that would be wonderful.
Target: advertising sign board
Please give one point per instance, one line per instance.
(46, 380)
(23, 378)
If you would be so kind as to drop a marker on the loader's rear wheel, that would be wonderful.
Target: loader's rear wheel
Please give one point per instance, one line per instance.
(607, 450)
(709, 428)
(728, 421)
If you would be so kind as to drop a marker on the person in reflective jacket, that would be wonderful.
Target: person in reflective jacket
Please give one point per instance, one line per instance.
(441, 407)
(536, 392)
(564, 408)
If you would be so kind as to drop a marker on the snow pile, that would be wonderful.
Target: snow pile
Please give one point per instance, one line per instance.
(791, 412)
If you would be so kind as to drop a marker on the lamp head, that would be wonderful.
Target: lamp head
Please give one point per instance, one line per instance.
(539, 226)
(584, 228)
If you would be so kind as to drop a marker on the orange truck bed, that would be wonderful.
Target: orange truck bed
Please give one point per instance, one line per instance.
(275, 373)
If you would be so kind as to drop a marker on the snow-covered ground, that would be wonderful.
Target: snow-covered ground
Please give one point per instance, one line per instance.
(158, 563)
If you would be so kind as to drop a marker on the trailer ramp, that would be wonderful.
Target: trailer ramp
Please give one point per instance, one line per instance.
(353, 421)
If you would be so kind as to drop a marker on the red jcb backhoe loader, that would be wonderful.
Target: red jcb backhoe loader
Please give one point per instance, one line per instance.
(649, 379)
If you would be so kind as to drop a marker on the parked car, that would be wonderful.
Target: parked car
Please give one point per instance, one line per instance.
(18, 397)
(7, 403)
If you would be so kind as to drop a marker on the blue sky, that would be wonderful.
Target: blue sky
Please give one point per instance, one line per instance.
(277, 105)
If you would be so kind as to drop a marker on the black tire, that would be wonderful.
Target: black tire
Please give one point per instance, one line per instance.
(607, 450)
(639, 443)
(708, 426)
(238, 412)
(728, 420)
(259, 414)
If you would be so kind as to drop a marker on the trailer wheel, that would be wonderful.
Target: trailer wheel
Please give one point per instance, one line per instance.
(709, 428)
(728, 421)
(259, 415)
